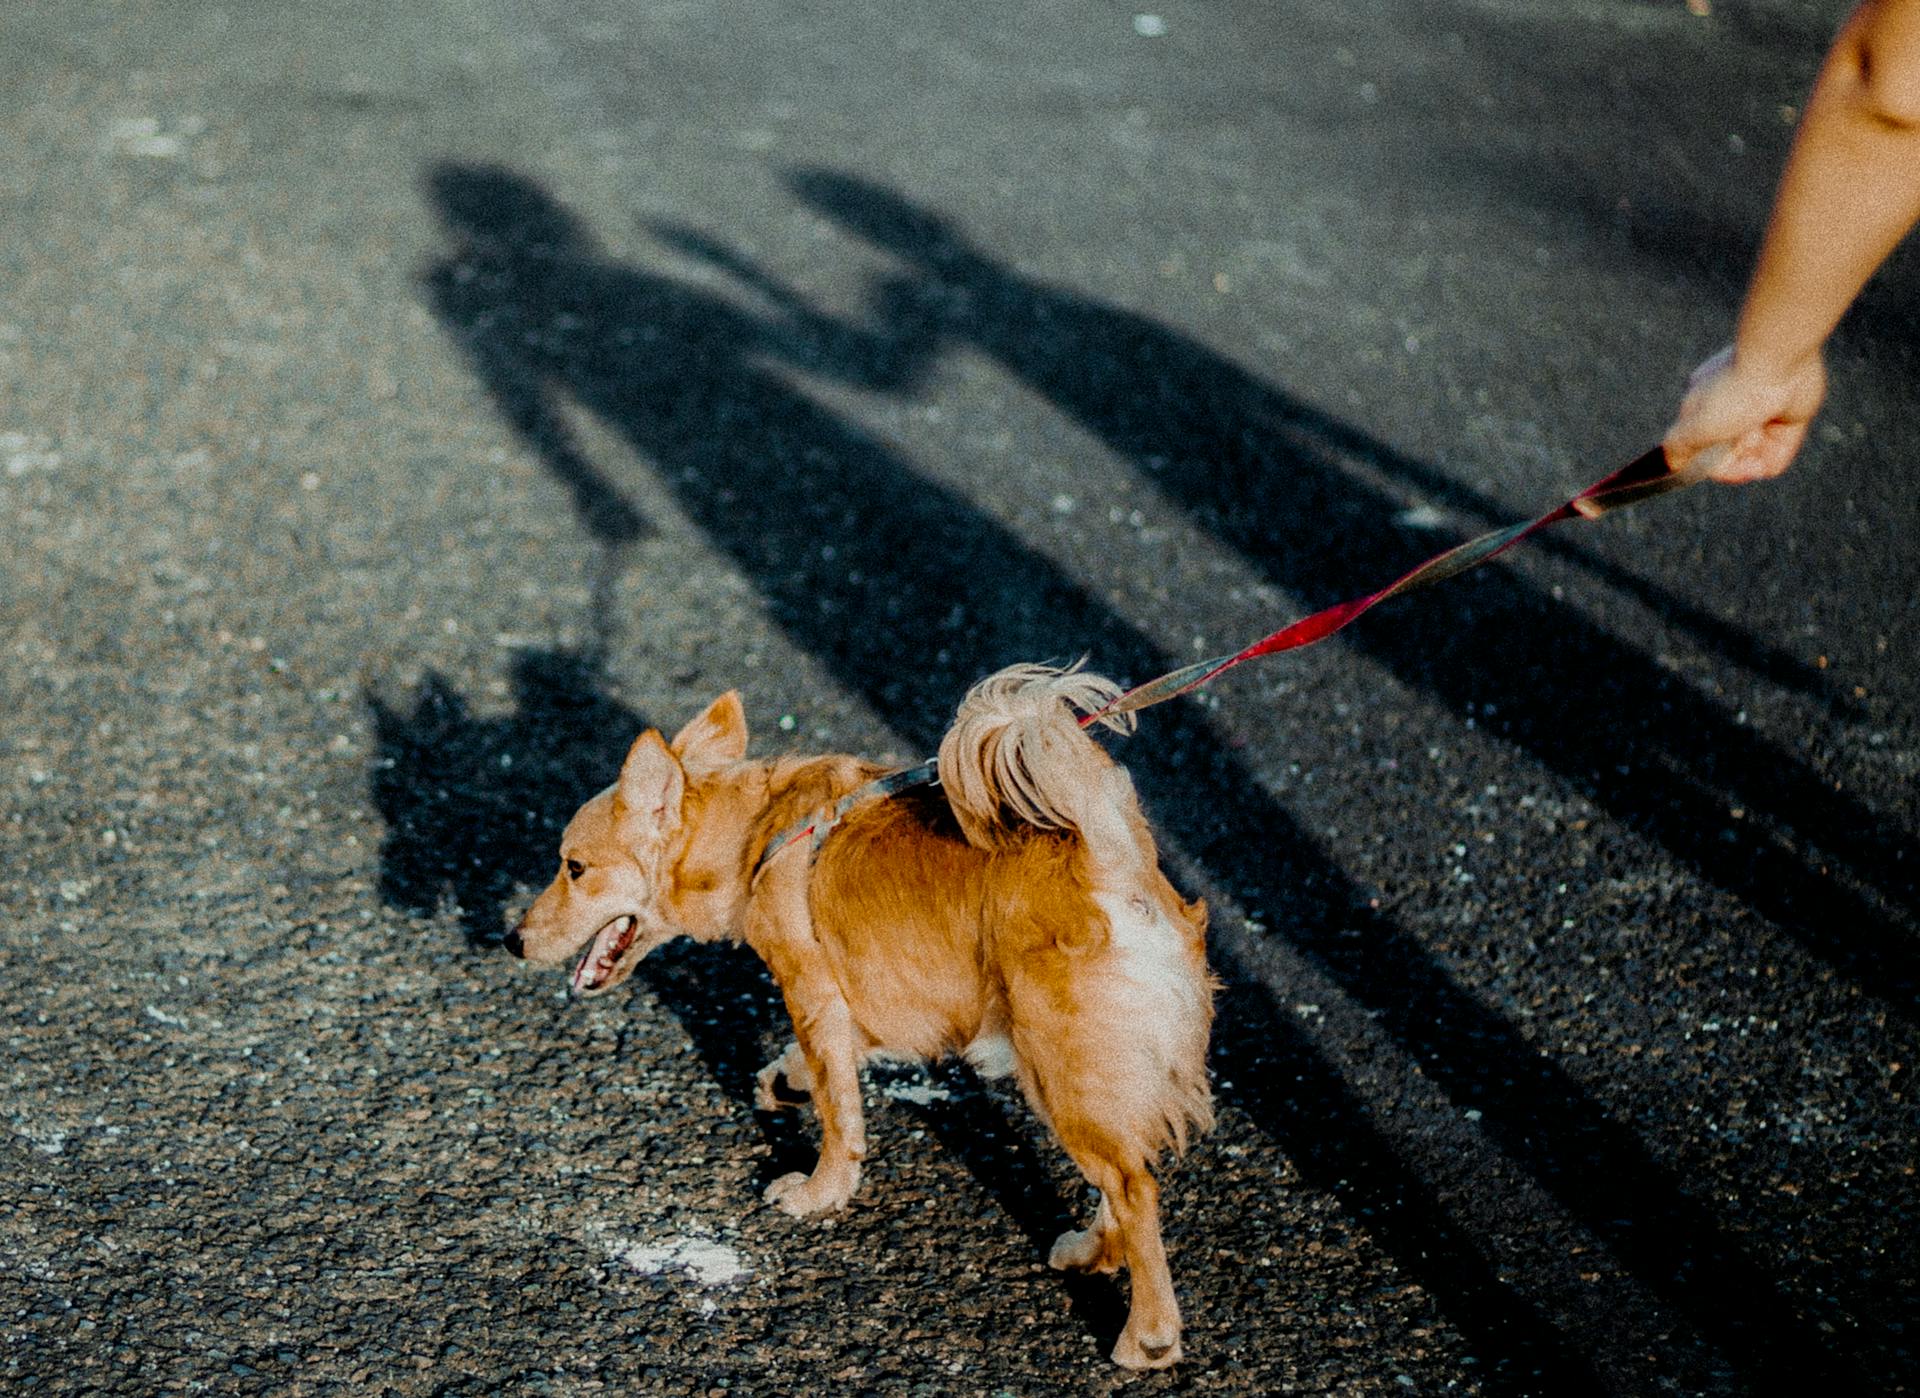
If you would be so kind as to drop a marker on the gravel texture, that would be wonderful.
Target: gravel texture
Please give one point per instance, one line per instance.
(402, 405)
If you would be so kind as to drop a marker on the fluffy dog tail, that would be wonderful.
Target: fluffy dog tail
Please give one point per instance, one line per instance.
(1017, 756)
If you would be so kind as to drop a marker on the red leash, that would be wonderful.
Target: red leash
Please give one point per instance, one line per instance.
(1643, 477)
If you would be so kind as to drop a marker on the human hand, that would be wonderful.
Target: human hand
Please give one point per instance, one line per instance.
(1758, 415)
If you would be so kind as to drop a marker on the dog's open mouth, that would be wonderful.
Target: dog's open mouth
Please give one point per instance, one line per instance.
(610, 943)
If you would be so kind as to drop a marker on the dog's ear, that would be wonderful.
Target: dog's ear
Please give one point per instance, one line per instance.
(651, 785)
(715, 739)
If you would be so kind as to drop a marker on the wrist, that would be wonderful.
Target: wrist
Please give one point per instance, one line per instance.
(1764, 361)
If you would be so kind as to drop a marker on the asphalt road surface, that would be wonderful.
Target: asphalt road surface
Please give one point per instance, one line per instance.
(401, 405)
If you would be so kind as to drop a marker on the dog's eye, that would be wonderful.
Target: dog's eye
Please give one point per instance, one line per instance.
(575, 868)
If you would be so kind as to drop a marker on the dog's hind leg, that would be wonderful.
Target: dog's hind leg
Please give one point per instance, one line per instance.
(1151, 1339)
(1087, 1109)
(1095, 1248)
(779, 928)
(1111, 1044)
(1126, 1227)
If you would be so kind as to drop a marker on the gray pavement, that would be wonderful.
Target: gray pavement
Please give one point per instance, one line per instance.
(402, 405)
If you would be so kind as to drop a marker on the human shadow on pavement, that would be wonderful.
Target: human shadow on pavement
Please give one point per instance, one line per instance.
(853, 553)
(1264, 474)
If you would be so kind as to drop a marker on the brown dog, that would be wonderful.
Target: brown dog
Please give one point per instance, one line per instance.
(1015, 913)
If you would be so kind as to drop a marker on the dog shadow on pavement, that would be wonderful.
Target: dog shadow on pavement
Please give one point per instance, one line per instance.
(474, 806)
(698, 385)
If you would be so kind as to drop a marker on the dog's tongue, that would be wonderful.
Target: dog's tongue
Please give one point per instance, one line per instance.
(598, 963)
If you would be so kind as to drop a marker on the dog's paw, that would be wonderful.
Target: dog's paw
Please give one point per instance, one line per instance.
(772, 1092)
(1086, 1250)
(1147, 1352)
(805, 1195)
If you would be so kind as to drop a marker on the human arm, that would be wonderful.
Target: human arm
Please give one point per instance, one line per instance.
(1849, 193)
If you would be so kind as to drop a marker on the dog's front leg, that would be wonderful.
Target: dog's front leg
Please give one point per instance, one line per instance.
(826, 1038)
(779, 929)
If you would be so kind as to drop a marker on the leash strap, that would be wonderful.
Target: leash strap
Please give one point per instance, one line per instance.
(1642, 478)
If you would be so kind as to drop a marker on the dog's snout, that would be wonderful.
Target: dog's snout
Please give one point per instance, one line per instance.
(513, 944)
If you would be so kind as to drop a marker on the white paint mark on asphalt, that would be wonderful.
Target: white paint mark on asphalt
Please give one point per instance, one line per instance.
(920, 1094)
(144, 137)
(708, 1263)
(45, 1141)
(23, 453)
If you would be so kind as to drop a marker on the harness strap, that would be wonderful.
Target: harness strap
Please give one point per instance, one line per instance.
(921, 774)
